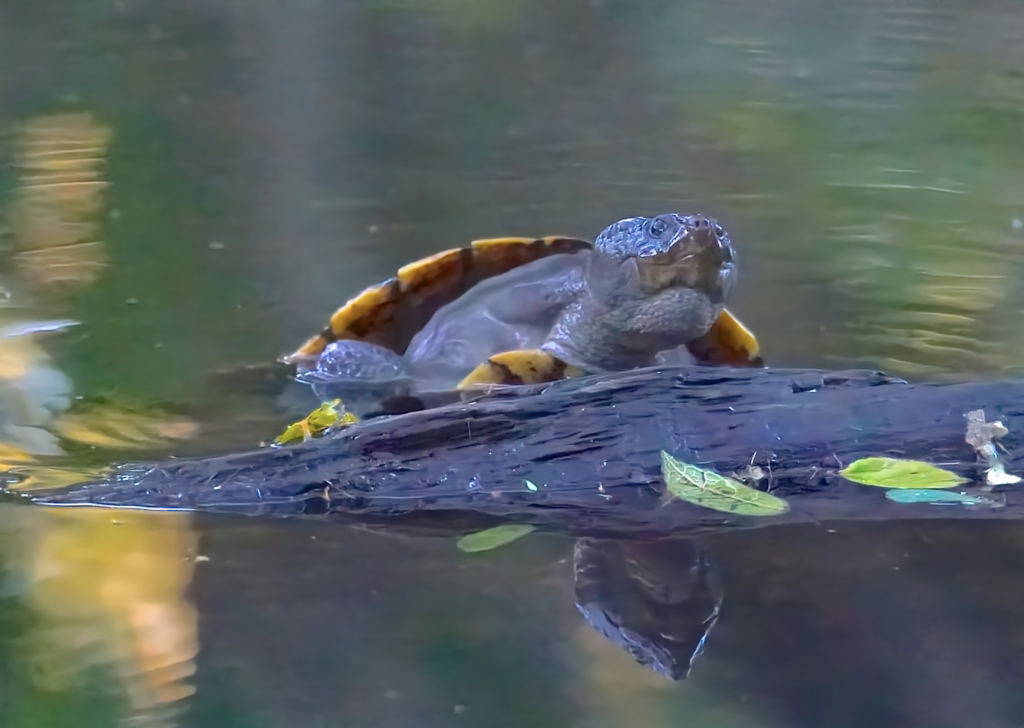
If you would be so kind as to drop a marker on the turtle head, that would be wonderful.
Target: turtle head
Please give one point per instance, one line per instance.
(643, 256)
(652, 284)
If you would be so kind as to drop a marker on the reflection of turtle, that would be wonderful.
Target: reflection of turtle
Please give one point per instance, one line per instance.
(658, 600)
(522, 311)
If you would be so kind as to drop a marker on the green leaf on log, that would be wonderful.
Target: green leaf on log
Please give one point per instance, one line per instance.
(711, 490)
(492, 538)
(896, 473)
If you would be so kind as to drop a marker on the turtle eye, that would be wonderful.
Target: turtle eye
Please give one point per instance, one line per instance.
(657, 228)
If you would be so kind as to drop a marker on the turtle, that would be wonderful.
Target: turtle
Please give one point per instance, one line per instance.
(513, 311)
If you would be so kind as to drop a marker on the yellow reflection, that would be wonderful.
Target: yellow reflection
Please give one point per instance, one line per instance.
(109, 588)
(56, 212)
(18, 355)
(112, 426)
(933, 285)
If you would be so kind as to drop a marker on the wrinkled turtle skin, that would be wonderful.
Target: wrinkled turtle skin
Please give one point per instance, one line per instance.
(649, 287)
(523, 311)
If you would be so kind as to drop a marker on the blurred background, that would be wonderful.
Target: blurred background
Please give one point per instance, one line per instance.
(199, 184)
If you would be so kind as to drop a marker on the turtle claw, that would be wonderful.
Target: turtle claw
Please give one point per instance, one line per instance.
(316, 423)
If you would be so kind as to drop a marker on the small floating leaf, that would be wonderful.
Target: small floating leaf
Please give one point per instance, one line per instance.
(492, 538)
(711, 490)
(937, 497)
(317, 422)
(894, 473)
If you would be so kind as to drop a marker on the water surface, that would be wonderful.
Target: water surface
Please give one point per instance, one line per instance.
(239, 169)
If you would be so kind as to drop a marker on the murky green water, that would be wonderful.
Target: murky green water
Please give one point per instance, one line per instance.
(239, 169)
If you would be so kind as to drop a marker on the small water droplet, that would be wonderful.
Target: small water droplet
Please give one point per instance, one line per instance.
(473, 484)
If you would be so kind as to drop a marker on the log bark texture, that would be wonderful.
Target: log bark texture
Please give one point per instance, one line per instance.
(582, 457)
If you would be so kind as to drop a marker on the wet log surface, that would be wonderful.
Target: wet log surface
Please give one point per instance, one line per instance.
(582, 457)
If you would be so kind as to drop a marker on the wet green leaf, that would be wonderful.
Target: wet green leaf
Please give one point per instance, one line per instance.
(711, 490)
(895, 473)
(492, 538)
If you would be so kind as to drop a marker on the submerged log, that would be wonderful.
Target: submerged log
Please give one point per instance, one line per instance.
(583, 457)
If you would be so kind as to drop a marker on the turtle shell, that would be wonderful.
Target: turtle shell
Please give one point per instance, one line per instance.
(392, 312)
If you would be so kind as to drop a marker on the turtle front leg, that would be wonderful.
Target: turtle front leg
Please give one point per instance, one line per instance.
(522, 366)
(728, 343)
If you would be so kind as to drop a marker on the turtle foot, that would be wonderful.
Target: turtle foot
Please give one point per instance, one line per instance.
(728, 343)
(522, 366)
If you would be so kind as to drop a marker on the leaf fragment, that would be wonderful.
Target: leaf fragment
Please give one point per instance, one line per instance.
(938, 497)
(492, 538)
(316, 423)
(896, 473)
(712, 490)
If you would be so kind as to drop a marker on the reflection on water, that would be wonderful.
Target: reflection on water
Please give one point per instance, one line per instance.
(56, 212)
(108, 591)
(199, 184)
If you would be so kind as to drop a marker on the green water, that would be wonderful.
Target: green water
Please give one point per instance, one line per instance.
(268, 159)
